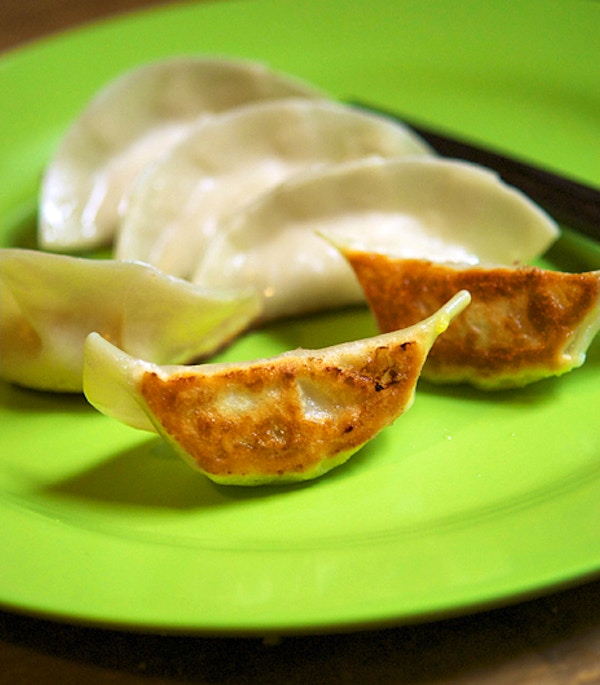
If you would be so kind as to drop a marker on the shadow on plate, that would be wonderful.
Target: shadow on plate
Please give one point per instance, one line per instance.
(147, 475)
(542, 391)
(574, 252)
(19, 399)
(150, 475)
(22, 227)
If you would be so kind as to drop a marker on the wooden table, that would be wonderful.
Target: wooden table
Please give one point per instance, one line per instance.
(554, 640)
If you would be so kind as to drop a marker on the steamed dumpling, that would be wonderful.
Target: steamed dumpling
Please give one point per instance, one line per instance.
(428, 207)
(288, 418)
(50, 303)
(524, 323)
(177, 204)
(126, 125)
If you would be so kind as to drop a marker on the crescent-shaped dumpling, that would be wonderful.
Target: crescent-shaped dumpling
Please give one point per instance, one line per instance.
(127, 124)
(49, 304)
(425, 207)
(524, 323)
(288, 418)
(178, 203)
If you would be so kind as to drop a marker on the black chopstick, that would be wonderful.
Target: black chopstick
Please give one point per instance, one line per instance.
(570, 203)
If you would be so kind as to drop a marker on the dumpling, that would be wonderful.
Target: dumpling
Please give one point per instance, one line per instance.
(288, 418)
(524, 323)
(177, 204)
(126, 125)
(49, 304)
(426, 207)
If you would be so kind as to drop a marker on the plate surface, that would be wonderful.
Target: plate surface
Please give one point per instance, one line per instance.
(469, 500)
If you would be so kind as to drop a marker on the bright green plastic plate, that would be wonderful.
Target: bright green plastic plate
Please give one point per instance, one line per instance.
(468, 501)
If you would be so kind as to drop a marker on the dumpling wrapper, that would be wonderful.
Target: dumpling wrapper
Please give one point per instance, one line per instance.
(50, 303)
(289, 418)
(425, 207)
(130, 121)
(175, 206)
(524, 323)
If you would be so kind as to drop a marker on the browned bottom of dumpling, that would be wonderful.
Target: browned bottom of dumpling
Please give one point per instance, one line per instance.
(523, 324)
(283, 416)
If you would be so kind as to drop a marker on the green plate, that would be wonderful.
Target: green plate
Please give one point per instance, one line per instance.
(469, 500)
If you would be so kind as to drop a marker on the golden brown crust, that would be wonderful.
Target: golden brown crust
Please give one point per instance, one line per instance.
(283, 415)
(519, 319)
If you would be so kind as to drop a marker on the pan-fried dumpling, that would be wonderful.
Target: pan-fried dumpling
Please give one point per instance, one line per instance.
(288, 418)
(424, 207)
(49, 304)
(219, 165)
(524, 323)
(127, 124)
